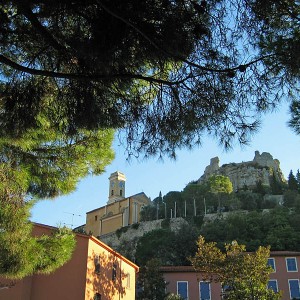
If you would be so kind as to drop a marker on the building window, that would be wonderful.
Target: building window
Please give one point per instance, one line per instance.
(291, 264)
(182, 289)
(121, 192)
(204, 290)
(128, 280)
(96, 217)
(294, 288)
(114, 272)
(112, 192)
(271, 263)
(272, 285)
(97, 296)
(97, 264)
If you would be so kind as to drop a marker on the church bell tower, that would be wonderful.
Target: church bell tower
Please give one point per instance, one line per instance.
(116, 187)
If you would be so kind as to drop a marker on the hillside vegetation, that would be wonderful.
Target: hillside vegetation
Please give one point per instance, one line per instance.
(251, 217)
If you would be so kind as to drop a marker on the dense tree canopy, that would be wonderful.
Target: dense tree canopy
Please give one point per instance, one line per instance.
(278, 228)
(21, 253)
(166, 72)
(171, 248)
(52, 164)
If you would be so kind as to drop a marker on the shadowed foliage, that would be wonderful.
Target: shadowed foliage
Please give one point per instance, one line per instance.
(167, 72)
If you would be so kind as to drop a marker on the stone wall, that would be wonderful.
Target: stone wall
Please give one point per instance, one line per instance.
(137, 230)
(247, 173)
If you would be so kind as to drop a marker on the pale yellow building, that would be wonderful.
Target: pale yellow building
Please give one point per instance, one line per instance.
(120, 211)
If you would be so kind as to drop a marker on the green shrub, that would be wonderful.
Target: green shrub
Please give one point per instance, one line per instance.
(165, 224)
(135, 225)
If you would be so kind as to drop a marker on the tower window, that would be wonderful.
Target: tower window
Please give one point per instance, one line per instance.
(121, 192)
(112, 192)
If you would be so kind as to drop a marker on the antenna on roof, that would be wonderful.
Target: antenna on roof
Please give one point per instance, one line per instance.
(73, 214)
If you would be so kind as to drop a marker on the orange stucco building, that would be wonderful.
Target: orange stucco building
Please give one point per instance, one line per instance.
(95, 272)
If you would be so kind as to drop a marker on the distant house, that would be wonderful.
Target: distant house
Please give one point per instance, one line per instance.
(286, 275)
(119, 211)
(95, 272)
(183, 280)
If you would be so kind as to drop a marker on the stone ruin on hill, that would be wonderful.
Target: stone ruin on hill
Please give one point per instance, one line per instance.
(261, 168)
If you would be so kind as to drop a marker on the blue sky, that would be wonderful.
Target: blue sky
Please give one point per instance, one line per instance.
(153, 176)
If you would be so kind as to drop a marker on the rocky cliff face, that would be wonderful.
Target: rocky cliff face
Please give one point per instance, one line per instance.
(261, 168)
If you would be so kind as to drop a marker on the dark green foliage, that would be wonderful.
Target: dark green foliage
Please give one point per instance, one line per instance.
(172, 248)
(121, 230)
(269, 203)
(298, 179)
(54, 163)
(157, 243)
(127, 247)
(297, 206)
(294, 122)
(135, 225)
(145, 67)
(257, 228)
(292, 182)
(165, 224)
(169, 200)
(249, 200)
(261, 189)
(151, 284)
(290, 198)
(22, 254)
(148, 213)
(185, 244)
(197, 221)
(276, 186)
(195, 194)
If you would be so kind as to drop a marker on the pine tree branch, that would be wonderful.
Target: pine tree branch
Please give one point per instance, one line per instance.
(82, 77)
(178, 57)
(27, 12)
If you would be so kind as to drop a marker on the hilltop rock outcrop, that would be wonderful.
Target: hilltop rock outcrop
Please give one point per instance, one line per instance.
(261, 168)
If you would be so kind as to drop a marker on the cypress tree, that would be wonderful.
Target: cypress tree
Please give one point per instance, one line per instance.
(292, 181)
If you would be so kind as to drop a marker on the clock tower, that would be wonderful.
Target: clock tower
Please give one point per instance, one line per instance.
(116, 187)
